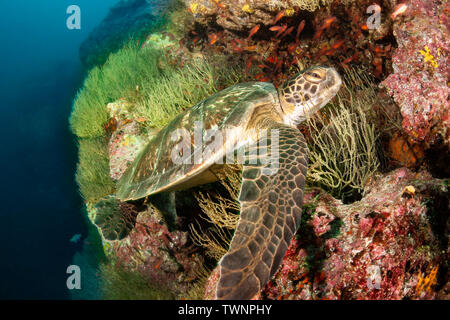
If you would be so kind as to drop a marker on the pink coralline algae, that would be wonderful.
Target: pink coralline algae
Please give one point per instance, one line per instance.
(375, 248)
(163, 257)
(419, 83)
(126, 140)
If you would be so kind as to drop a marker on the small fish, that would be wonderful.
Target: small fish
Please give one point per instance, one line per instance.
(331, 52)
(275, 28)
(287, 32)
(318, 34)
(278, 16)
(364, 27)
(337, 44)
(236, 48)
(281, 30)
(348, 60)
(75, 238)
(212, 38)
(292, 47)
(250, 48)
(328, 23)
(399, 9)
(253, 31)
(264, 79)
(300, 28)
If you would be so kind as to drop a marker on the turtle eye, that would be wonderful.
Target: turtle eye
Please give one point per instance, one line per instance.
(313, 77)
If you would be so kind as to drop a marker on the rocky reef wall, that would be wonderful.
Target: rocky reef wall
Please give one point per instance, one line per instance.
(389, 238)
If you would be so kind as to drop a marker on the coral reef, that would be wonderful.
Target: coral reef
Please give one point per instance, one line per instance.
(242, 14)
(419, 83)
(166, 259)
(391, 244)
(381, 247)
(126, 138)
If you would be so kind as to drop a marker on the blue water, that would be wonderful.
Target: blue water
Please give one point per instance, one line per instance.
(40, 208)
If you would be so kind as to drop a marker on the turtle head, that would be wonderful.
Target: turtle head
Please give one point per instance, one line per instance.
(307, 92)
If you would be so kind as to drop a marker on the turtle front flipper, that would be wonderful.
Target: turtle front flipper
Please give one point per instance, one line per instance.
(271, 201)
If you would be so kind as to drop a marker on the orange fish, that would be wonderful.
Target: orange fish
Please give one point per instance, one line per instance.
(278, 17)
(317, 34)
(300, 29)
(328, 22)
(253, 31)
(292, 47)
(364, 27)
(399, 9)
(275, 28)
(337, 44)
(348, 60)
(212, 38)
(331, 52)
(250, 48)
(282, 29)
(287, 32)
(264, 79)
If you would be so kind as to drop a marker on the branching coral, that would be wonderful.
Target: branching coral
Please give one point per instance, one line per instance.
(343, 153)
(310, 5)
(221, 212)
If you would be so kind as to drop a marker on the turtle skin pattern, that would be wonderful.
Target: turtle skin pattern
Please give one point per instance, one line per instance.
(270, 215)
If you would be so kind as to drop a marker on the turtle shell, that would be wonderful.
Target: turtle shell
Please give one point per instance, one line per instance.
(229, 111)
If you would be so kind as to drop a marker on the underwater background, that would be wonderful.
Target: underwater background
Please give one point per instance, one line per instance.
(41, 208)
(78, 106)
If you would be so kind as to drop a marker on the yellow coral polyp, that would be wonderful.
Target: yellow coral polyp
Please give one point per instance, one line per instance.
(247, 8)
(194, 7)
(428, 57)
(289, 12)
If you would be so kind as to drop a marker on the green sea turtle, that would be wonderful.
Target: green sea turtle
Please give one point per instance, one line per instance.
(182, 155)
